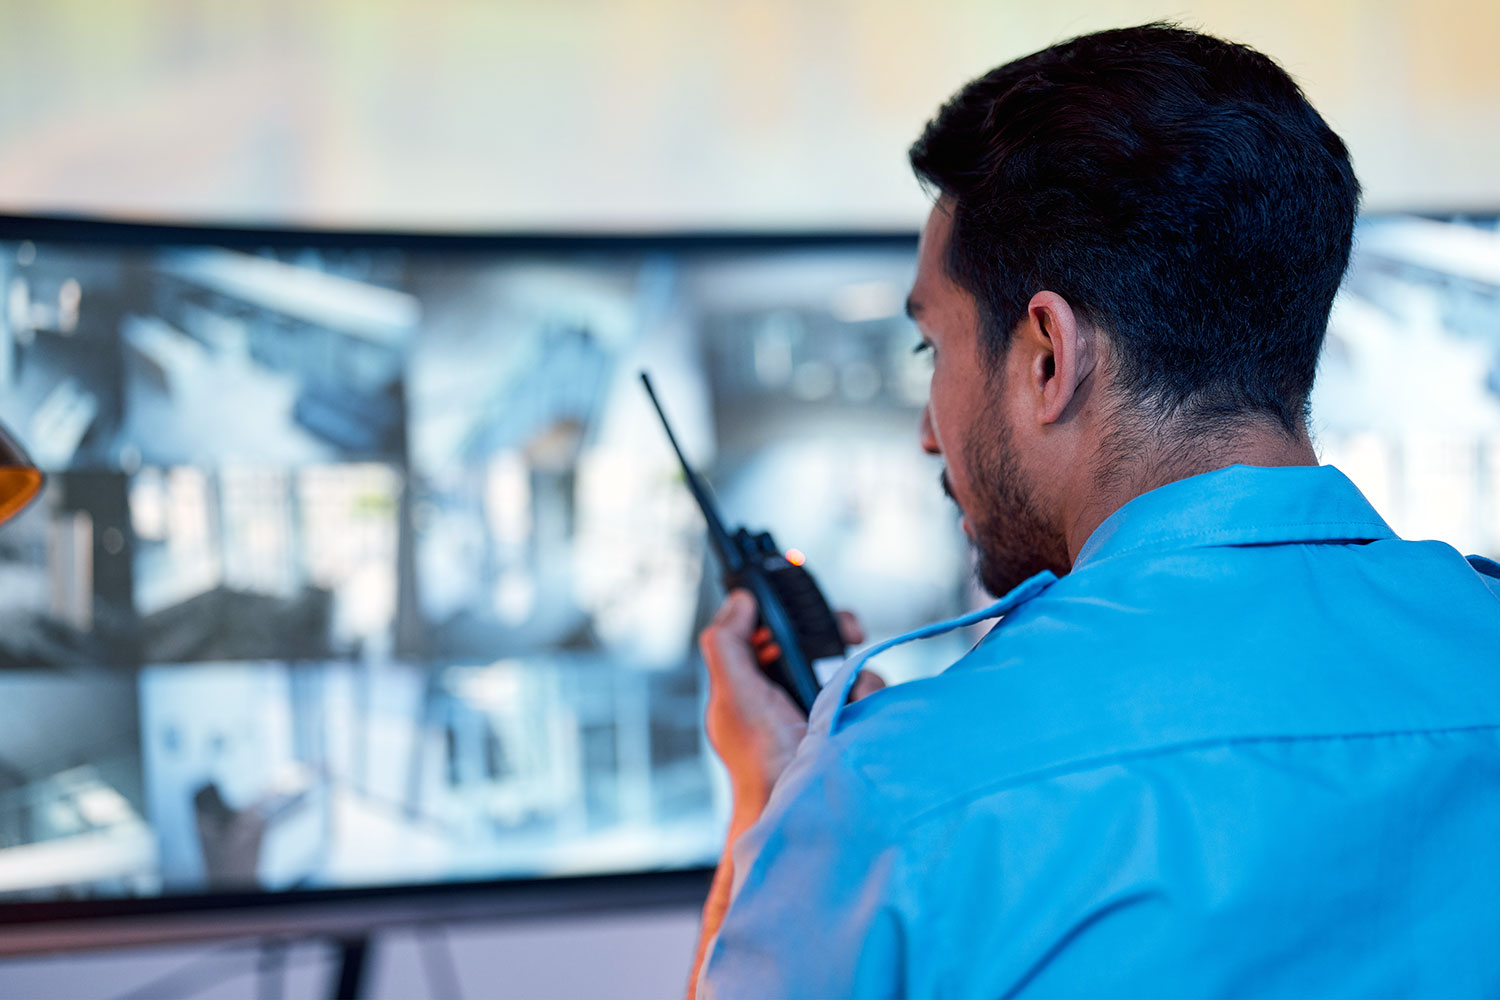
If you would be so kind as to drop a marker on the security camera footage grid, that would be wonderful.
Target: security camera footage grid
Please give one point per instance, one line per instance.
(372, 566)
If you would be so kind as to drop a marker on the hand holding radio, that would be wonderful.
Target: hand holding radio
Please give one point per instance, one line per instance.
(753, 724)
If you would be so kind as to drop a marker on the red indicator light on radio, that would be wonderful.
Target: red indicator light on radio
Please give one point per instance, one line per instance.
(795, 557)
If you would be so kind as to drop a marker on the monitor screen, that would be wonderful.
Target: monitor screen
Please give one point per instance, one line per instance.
(364, 562)
(1407, 400)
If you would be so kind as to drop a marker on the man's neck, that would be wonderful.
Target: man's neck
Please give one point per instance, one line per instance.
(1134, 464)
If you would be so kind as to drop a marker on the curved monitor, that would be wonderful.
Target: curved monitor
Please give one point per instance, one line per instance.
(364, 566)
(365, 574)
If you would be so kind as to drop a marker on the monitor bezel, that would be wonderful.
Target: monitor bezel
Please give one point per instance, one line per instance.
(120, 232)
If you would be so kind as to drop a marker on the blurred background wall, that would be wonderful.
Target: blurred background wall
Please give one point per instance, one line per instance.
(613, 114)
(477, 114)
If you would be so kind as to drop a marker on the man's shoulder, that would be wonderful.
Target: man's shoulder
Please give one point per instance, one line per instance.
(1198, 654)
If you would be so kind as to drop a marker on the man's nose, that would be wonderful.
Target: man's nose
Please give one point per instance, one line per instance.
(928, 435)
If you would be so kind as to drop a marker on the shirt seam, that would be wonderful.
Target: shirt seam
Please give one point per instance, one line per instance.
(1097, 761)
(1215, 538)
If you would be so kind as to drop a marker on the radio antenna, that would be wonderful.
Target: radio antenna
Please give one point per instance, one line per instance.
(718, 535)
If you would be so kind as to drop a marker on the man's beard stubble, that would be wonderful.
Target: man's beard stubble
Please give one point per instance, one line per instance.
(1012, 538)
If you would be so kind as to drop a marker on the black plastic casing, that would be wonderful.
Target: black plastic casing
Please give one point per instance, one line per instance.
(793, 608)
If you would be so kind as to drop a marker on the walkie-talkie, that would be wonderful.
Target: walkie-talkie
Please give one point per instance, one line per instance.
(791, 605)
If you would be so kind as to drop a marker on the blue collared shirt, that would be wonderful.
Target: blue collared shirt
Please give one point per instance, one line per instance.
(1249, 745)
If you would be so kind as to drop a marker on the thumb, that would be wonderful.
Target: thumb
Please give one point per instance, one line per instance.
(726, 641)
(736, 615)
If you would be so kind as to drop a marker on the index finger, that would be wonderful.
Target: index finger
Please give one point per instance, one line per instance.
(850, 629)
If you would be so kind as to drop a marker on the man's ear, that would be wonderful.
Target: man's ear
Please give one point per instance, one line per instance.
(1060, 354)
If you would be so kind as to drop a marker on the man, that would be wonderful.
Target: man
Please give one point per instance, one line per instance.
(1231, 735)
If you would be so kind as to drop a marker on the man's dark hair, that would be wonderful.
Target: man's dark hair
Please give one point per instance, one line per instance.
(1177, 189)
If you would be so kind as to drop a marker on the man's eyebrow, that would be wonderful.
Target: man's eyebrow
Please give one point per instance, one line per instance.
(912, 307)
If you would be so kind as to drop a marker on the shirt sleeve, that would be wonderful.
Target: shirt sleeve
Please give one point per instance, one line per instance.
(815, 909)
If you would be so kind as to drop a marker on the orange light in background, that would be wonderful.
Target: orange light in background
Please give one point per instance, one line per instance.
(20, 481)
(18, 484)
(795, 557)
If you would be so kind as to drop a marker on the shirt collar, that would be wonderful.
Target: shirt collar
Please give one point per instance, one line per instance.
(1239, 505)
